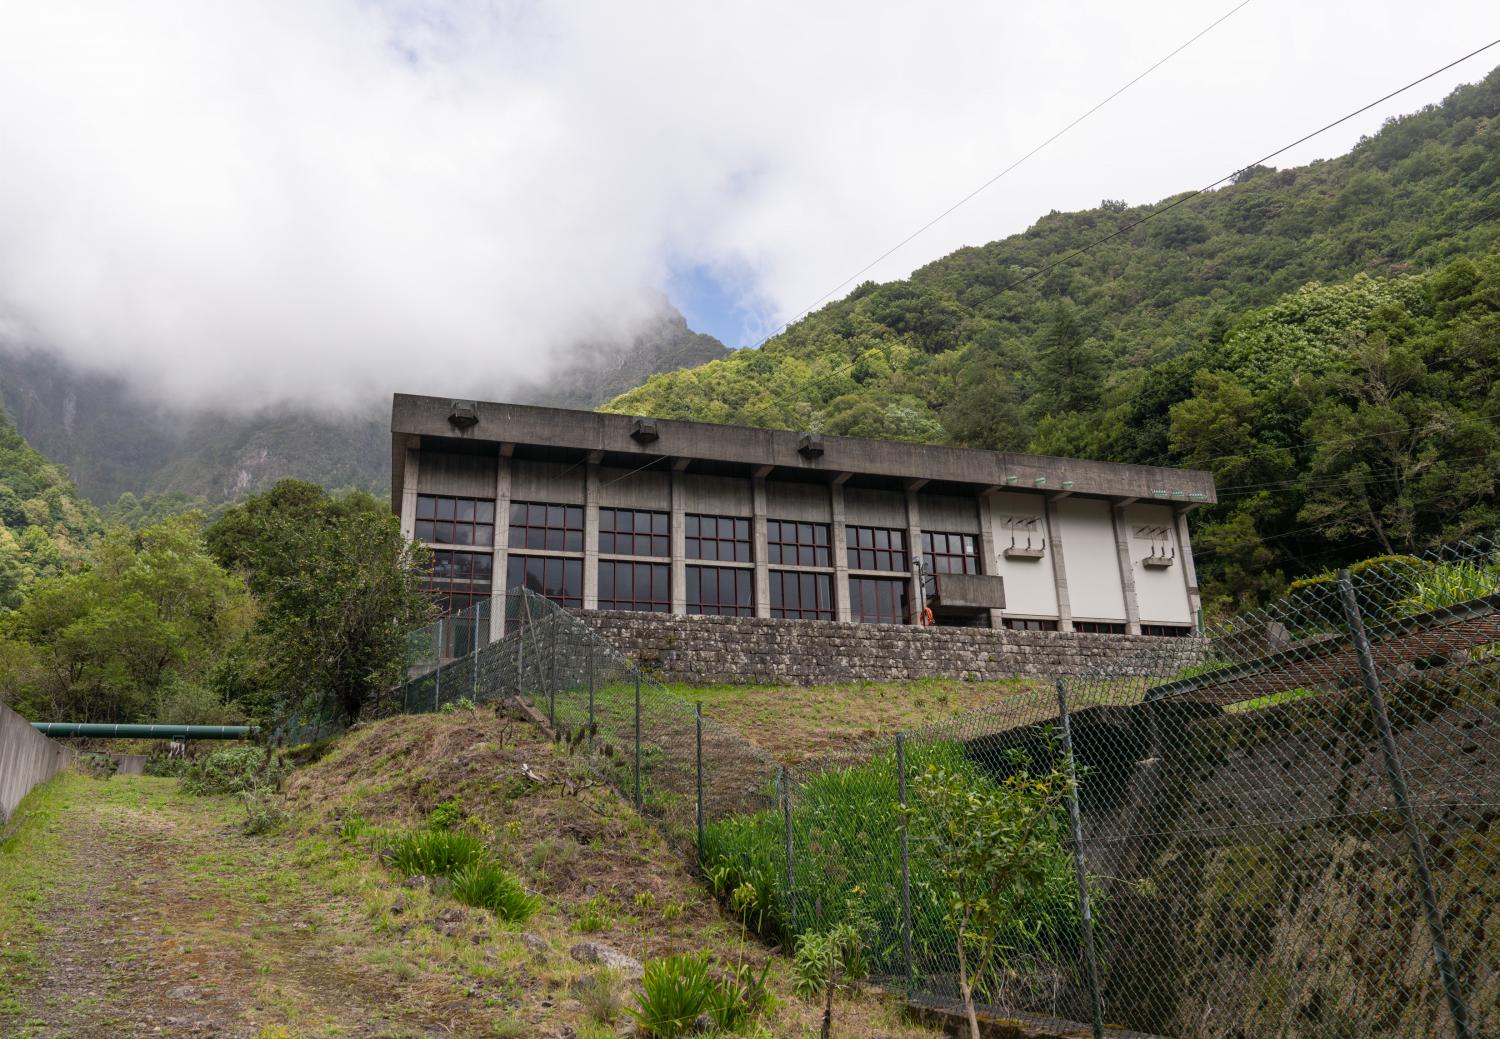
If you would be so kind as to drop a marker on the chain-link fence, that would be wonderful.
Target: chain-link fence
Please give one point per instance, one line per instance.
(1292, 828)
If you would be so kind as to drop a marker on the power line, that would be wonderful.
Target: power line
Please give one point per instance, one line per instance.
(997, 177)
(1153, 214)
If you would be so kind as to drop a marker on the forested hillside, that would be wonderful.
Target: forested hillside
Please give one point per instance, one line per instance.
(44, 525)
(1324, 338)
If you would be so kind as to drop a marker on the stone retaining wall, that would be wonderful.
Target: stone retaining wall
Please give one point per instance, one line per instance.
(711, 650)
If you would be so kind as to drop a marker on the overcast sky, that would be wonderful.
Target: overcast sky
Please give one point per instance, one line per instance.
(332, 200)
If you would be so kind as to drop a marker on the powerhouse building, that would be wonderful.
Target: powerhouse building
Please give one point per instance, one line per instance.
(611, 512)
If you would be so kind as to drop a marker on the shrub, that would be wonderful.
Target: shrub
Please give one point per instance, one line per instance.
(448, 815)
(263, 813)
(487, 886)
(352, 827)
(674, 991)
(435, 853)
(847, 832)
(234, 770)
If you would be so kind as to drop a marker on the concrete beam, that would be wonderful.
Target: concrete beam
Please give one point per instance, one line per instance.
(428, 417)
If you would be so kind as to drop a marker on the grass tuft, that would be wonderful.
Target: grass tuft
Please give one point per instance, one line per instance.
(435, 853)
(487, 886)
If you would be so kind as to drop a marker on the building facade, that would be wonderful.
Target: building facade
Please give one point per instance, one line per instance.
(610, 512)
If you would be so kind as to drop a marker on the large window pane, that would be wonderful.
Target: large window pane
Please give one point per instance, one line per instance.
(717, 538)
(560, 580)
(876, 548)
(443, 520)
(722, 590)
(634, 586)
(801, 596)
(878, 600)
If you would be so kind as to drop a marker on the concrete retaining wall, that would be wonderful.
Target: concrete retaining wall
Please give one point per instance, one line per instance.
(26, 759)
(711, 650)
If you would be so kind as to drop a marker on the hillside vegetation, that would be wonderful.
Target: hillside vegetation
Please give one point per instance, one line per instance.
(1322, 338)
(44, 524)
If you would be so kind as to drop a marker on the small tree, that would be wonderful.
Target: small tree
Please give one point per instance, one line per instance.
(994, 847)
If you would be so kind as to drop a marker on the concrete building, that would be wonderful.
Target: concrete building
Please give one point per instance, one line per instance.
(610, 512)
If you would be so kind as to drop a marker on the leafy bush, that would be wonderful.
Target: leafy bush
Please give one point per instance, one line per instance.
(487, 886)
(674, 991)
(263, 813)
(448, 815)
(847, 833)
(160, 763)
(234, 770)
(435, 853)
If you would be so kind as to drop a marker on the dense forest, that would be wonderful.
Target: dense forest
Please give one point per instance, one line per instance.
(44, 524)
(1323, 338)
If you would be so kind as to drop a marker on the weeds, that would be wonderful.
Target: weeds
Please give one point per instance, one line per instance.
(435, 853)
(263, 813)
(601, 996)
(235, 770)
(674, 991)
(594, 915)
(486, 886)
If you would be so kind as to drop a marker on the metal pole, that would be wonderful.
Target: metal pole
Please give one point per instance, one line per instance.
(437, 676)
(552, 679)
(591, 695)
(1449, 977)
(698, 719)
(791, 872)
(475, 694)
(911, 970)
(1080, 870)
(638, 741)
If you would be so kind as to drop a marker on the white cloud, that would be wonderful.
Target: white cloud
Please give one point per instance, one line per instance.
(262, 201)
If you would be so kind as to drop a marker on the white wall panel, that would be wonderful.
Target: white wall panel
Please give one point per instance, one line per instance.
(1161, 592)
(1093, 565)
(1029, 586)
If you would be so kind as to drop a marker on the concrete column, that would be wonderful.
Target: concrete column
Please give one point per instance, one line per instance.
(760, 549)
(591, 537)
(409, 493)
(1127, 570)
(838, 539)
(502, 541)
(1059, 567)
(914, 553)
(988, 564)
(1189, 571)
(679, 557)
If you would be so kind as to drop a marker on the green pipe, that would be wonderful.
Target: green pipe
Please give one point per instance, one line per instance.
(137, 732)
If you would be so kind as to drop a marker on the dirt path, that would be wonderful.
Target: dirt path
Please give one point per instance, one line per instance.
(154, 916)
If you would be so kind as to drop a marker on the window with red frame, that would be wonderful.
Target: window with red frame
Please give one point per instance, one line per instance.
(724, 539)
(459, 580)
(722, 590)
(634, 532)
(878, 600)
(443, 520)
(559, 579)
(790, 543)
(876, 548)
(635, 586)
(556, 528)
(801, 596)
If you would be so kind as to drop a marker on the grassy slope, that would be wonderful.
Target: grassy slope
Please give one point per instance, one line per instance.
(304, 930)
(794, 723)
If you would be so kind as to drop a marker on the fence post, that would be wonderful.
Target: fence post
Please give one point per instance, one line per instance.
(591, 695)
(1080, 871)
(551, 680)
(791, 872)
(437, 676)
(1397, 777)
(552, 676)
(475, 694)
(911, 970)
(638, 740)
(698, 719)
